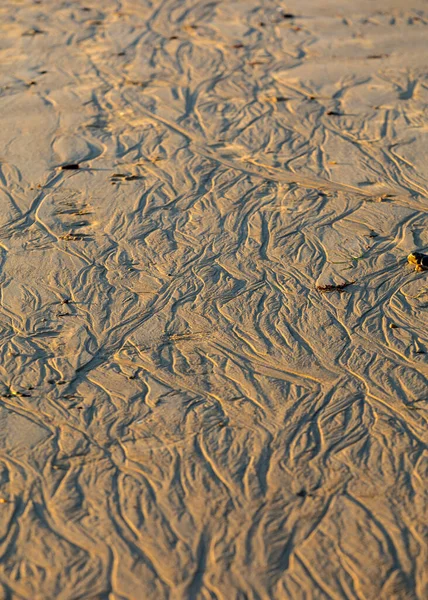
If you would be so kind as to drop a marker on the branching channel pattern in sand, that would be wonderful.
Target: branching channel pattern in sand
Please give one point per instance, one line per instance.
(213, 354)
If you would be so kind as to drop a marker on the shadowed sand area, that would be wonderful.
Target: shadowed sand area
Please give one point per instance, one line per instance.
(213, 353)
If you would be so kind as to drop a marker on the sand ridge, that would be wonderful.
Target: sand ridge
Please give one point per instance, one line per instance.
(188, 409)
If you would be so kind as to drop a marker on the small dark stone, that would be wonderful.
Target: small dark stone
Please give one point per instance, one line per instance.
(70, 167)
(302, 494)
(33, 31)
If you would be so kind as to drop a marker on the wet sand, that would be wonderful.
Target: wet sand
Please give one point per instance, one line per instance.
(213, 369)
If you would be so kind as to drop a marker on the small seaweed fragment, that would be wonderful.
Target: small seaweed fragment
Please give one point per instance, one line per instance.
(352, 259)
(338, 287)
(73, 237)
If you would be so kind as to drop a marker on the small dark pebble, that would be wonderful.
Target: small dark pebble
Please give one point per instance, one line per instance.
(238, 46)
(121, 53)
(32, 32)
(173, 37)
(302, 494)
(70, 167)
(51, 381)
(288, 16)
(334, 113)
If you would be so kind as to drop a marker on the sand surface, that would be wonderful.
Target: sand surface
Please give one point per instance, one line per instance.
(184, 414)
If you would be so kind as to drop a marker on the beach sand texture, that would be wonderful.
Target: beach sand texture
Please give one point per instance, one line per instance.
(189, 409)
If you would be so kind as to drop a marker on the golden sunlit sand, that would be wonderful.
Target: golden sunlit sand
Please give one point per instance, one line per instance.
(213, 344)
